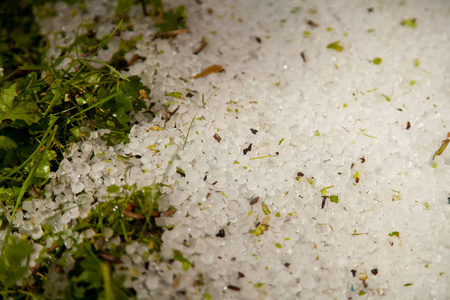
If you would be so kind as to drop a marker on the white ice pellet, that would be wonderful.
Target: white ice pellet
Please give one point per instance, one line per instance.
(152, 282)
(77, 187)
(27, 205)
(251, 185)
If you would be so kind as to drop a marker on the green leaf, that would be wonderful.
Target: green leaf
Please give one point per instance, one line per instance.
(172, 20)
(133, 86)
(334, 199)
(175, 95)
(11, 269)
(395, 233)
(123, 102)
(7, 97)
(7, 143)
(377, 61)
(410, 22)
(43, 169)
(13, 109)
(335, 46)
(179, 257)
(123, 6)
(112, 189)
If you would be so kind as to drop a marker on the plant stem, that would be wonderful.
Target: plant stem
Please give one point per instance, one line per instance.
(46, 142)
(192, 121)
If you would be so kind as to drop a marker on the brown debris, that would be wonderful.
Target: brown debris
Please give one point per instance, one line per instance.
(248, 149)
(217, 137)
(133, 59)
(170, 212)
(200, 48)
(170, 33)
(302, 54)
(110, 257)
(169, 114)
(312, 23)
(209, 70)
(254, 201)
(132, 215)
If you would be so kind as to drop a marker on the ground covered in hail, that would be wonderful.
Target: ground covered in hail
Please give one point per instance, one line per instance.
(308, 171)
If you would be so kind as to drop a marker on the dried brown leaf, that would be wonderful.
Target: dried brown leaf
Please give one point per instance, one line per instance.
(209, 70)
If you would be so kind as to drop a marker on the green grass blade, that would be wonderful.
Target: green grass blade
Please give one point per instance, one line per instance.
(45, 142)
(192, 121)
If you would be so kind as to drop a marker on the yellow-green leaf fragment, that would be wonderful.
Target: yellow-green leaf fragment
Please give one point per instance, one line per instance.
(265, 209)
(323, 191)
(334, 199)
(259, 230)
(278, 245)
(410, 22)
(356, 175)
(395, 233)
(387, 98)
(377, 61)
(408, 284)
(443, 146)
(175, 95)
(416, 62)
(278, 215)
(178, 256)
(279, 143)
(310, 181)
(335, 46)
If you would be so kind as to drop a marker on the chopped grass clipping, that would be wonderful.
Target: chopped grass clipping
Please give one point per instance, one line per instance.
(412, 22)
(335, 46)
(377, 61)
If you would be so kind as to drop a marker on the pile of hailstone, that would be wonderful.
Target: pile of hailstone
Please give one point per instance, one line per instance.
(318, 101)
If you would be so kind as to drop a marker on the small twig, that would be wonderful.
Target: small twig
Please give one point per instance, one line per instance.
(169, 114)
(443, 146)
(200, 48)
(170, 33)
(204, 103)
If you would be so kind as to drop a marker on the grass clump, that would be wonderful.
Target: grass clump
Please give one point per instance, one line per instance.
(45, 106)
